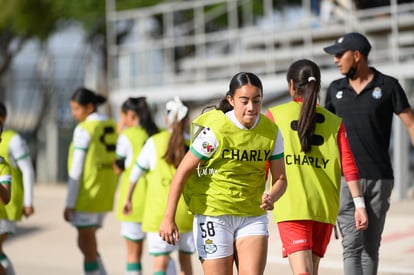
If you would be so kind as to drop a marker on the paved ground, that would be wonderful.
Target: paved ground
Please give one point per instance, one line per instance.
(46, 245)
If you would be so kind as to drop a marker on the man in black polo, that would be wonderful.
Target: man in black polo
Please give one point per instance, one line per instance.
(366, 100)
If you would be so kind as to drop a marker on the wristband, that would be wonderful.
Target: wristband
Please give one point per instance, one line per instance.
(359, 202)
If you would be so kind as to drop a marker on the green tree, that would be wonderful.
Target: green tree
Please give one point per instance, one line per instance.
(20, 21)
(24, 20)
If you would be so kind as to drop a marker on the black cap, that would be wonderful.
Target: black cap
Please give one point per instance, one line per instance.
(353, 41)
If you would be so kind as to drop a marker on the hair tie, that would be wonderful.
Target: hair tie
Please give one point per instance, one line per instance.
(311, 78)
(177, 111)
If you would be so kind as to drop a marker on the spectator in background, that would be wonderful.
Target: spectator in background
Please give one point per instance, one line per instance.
(14, 150)
(366, 100)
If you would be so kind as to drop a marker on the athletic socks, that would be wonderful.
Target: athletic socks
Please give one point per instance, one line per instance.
(95, 268)
(171, 270)
(133, 269)
(7, 265)
(91, 268)
(101, 266)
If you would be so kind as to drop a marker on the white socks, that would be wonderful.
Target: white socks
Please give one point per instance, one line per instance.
(7, 265)
(101, 266)
(171, 270)
(96, 268)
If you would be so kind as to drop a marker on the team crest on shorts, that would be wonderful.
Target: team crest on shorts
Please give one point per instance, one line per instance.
(210, 247)
(377, 93)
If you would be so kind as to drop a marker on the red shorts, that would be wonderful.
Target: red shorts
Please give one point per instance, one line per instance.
(304, 235)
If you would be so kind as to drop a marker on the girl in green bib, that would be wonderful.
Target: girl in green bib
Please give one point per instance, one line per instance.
(6, 266)
(135, 126)
(316, 149)
(14, 150)
(92, 181)
(158, 161)
(223, 179)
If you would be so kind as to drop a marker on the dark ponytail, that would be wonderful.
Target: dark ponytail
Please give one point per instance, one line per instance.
(140, 106)
(306, 78)
(84, 96)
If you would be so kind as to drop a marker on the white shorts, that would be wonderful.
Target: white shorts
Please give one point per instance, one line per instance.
(157, 246)
(7, 226)
(87, 219)
(215, 236)
(132, 231)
